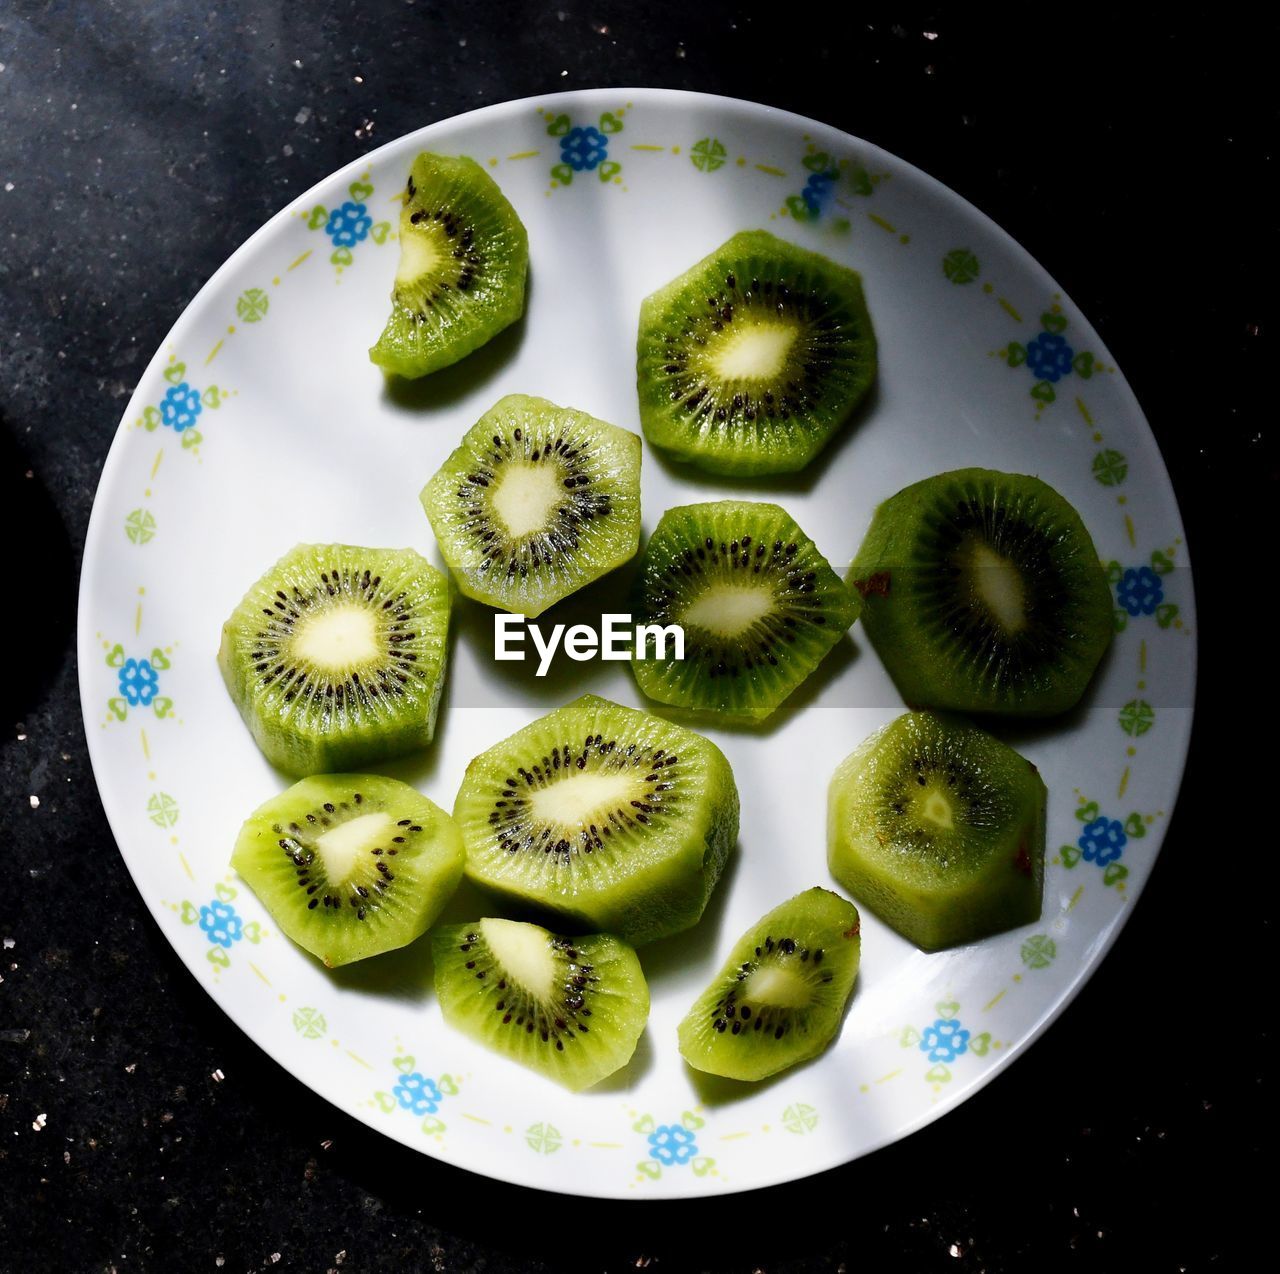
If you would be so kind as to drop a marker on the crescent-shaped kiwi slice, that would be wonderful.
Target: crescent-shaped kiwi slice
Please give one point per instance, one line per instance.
(780, 995)
(464, 256)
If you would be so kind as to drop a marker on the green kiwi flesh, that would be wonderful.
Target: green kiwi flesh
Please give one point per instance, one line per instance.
(350, 865)
(982, 592)
(602, 816)
(750, 362)
(781, 995)
(570, 1008)
(938, 828)
(536, 501)
(336, 656)
(464, 257)
(759, 605)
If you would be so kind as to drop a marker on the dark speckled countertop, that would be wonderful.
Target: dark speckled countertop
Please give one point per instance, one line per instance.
(142, 140)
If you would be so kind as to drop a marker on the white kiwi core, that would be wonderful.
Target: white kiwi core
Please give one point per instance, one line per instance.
(756, 351)
(525, 497)
(729, 609)
(525, 953)
(338, 638)
(340, 847)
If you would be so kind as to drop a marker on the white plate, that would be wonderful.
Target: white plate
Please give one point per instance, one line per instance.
(261, 422)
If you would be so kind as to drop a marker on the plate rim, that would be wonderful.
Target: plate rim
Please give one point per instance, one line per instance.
(1179, 748)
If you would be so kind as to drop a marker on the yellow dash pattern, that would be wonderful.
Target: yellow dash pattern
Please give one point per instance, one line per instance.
(355, 1057)
(1142, 655)
(1009, 310)
(475, 1119)
(734, 1136)
(768, 168)
(137, 620)
(156, 466)
(605, 1145)
(525, 154)
(1075, 897)
(882, 223)
(259, 973)
(146, 747)
(638, 146)
(884, 1079)
(1084, 411)
(293, 265)
(1128, 526)
(213, 353)
(186, 866)
(1124, 783)
(991, 1003)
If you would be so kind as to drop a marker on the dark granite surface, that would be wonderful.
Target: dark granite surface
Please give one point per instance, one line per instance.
(141, 142)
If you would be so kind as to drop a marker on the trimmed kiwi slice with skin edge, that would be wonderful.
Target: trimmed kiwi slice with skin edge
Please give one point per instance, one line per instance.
(602, 816)
(751, 361)
(938, 828)
(336, 656)
(350, 865)
(464, 258)
(780, 996)
(571, 1008)
(536, 502)
(759, 604)
(982, 592)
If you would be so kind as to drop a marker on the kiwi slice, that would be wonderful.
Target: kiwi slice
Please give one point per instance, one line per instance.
(759, 605)
(780, 996)
(350, 865)
(938, 828)
(336, 656)
(750, 361)
(982, 592)
(606, 817)
(537, 501)
(464, 256)
(570, 1008)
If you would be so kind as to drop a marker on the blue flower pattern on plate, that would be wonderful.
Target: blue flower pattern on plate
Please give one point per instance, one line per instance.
(1103, 841)
(818, 191)
(418, 1094)
(584, 148)
(139, 682)
(349, 225)
(221, 924)
(945, 1040)
(1049, 357)
(672, 1144)
(180, 407)
(1140, 591)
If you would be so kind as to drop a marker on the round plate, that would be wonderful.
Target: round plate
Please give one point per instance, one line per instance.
(261, 422)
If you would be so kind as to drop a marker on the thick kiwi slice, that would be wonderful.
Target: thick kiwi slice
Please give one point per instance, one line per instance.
(607, 817)
(938, 828)
(780, 996)
(336, 656)
(350, 865)
(982, 592)
(751, 360)
(759, 605)
(464, 256)
(569, 1008)
(537, 501)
